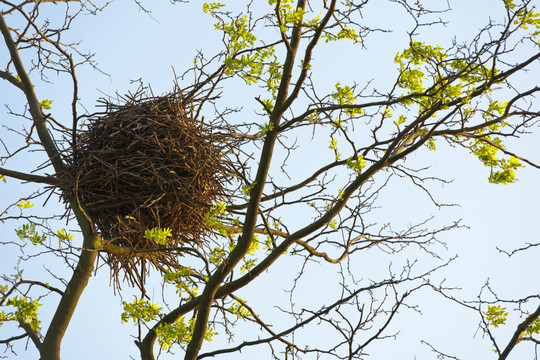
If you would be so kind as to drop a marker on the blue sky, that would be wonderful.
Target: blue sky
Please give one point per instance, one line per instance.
(129, 44)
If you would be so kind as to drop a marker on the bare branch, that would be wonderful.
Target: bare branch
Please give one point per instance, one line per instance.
(29, 177)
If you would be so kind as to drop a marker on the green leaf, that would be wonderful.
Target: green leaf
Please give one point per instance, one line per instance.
(430, 143)
(212, 7)
(182, 281)
(496, 315)
(46, 104)
(139, 310)
(333, 143)
(333, 224)
(26, 311)
(24, 205)
(216, 213)
(509, 4)
(344, 96)
(533, 328)
(246, 189)
(28, 232)
(356, 165)
(63, 235)
(158, 235)
(400, 121)
(217, 255)
(265, 128)
(240, 310)
(506, 175)
(179, 333)
(486, 148)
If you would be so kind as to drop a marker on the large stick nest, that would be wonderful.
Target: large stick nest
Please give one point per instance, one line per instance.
(144, 164)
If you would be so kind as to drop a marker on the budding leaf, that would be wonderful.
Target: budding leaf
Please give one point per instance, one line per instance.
(46, 104)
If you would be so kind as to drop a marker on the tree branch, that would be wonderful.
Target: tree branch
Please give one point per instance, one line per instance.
(12, 79)
(519, 330)
(18, 337)
(31, 333)
(51, 180)
(33, 103)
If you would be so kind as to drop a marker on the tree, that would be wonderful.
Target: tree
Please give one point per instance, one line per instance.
(350, 141)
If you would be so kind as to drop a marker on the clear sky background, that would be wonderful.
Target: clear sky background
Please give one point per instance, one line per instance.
(130, 44)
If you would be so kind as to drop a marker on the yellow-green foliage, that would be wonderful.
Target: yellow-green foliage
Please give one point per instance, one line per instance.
(140, 310)
(532, 329)
(168, 334)
(179, 333)
(182, 281)
(240, 310)
(496, 316)
(502, 170)
(356, 164)
(63, 235)
(46, 104)
(159, 236)
(343, 95)
(24, 204)
(253, 66)
(214, 216)
(28, 232)
(424, 67)
(26, 310)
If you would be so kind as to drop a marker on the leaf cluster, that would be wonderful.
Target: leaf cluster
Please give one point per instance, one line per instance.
(26, 310)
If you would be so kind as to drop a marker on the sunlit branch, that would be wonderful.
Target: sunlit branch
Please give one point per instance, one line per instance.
(245, 239)
(324, 255)
(237, 230)
(259, 321)
(308, 53)
(502, 149)
(41, 284)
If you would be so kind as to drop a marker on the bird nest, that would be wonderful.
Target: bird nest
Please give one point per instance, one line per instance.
(146, 172)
